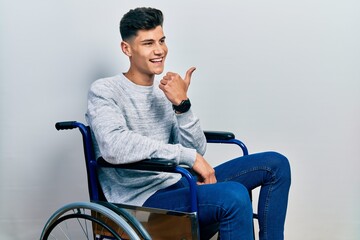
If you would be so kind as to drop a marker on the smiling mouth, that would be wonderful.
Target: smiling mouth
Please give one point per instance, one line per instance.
(156, 60)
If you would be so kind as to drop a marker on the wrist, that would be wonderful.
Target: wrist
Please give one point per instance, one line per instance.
(183, 107)
(177, 101)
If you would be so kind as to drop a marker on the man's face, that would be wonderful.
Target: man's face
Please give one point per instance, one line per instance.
(148, 52)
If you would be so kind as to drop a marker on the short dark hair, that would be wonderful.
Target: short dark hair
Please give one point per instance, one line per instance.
(144, 18)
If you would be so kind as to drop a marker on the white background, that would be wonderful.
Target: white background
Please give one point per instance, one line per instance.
(282, 75)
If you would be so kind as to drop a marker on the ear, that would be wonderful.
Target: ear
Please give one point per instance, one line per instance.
(125, 47)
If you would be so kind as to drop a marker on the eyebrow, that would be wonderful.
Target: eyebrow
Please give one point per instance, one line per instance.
(151, 40)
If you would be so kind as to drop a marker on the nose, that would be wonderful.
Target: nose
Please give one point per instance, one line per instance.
(159, 49)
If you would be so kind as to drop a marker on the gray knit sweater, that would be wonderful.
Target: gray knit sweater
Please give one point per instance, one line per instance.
(131, 123)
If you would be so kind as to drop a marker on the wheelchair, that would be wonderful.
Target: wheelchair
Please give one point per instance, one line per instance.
(99, 219)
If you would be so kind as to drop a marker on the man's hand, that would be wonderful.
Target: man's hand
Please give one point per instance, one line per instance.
(174, 87)
(206, 174)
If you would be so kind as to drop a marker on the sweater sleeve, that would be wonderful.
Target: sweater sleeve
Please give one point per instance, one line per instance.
(117, 143)
(190, 134)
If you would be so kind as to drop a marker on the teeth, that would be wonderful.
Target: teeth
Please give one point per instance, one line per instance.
(157, 60)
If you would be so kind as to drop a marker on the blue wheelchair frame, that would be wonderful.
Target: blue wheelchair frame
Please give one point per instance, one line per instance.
(92, 164)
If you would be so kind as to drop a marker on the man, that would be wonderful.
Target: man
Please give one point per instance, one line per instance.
(133, 117)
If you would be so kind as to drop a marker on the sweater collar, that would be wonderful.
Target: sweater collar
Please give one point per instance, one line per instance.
(139, 88)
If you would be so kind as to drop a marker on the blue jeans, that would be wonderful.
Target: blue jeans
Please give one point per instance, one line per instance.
(226, 206)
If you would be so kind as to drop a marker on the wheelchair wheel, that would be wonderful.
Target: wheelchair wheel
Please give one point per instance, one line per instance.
(86, 220)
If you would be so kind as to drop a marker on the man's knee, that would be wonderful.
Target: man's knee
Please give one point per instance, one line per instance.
(236, 197)
(281, 165)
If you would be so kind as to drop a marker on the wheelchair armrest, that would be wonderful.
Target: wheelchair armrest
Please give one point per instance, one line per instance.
(225, 137)
(218, 135)
(147, 165)
(159, 166)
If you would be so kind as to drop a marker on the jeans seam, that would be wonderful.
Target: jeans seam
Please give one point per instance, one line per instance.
(266, 207)
(264, 168)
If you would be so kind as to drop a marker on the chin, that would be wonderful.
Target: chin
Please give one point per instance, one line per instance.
(158, 71)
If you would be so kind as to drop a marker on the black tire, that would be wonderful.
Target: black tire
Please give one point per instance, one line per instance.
(79, 221)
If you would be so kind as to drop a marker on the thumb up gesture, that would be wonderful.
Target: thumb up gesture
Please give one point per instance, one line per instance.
(174, 87)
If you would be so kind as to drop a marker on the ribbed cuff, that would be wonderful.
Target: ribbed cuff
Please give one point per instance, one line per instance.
(185, 117)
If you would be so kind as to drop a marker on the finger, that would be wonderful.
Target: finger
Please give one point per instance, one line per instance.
(201, 181)
(205, 180)
(162, 87)
(188, 75)
(169, 74)
(168, 78)
(213, 179)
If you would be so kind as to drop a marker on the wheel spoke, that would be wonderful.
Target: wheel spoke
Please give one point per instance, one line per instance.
(62, 230)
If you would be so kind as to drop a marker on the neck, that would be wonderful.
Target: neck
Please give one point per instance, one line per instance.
(140, 79)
